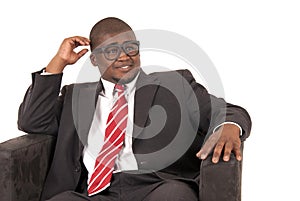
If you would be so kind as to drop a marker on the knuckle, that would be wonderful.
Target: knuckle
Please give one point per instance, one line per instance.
(237, 145)
(227, 152)
(218, 150)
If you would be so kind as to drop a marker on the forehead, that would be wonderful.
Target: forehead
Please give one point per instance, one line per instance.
(107, 39)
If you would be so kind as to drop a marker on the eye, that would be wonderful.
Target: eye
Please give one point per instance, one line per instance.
(111, 50)
(131, 48)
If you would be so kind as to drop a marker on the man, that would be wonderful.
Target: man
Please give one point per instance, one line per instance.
(130, 136)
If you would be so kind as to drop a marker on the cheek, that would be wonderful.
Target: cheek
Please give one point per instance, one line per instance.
(103, 63)
(105, 70)
(137, 61)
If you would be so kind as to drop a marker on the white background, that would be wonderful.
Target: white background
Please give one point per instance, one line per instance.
(254, 45)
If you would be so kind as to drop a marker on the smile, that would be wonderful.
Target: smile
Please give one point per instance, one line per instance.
(124, 69)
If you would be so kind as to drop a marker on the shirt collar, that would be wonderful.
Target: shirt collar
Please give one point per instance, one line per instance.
(108, 87)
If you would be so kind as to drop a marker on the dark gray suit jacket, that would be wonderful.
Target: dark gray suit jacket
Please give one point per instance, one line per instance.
(172, 116)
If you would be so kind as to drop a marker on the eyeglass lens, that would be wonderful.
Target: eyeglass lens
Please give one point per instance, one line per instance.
(113, 52)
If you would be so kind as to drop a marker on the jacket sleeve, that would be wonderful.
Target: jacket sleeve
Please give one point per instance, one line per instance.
(39, 113)
(215, 111)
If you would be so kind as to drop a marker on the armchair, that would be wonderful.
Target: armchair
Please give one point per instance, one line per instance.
(25, 160)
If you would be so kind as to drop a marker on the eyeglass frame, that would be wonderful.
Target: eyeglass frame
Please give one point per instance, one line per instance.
(120, 47)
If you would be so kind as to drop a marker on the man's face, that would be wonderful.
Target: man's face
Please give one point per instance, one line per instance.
(124, 67)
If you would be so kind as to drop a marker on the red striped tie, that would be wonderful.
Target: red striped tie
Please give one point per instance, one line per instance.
(113, 141)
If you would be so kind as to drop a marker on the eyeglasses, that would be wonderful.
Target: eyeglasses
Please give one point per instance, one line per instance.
(113, 51)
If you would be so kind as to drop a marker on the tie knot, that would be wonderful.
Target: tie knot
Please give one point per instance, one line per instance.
(119, 88)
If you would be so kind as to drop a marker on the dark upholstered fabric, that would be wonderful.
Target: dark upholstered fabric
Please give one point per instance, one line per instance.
(24, 162)
(222, 181)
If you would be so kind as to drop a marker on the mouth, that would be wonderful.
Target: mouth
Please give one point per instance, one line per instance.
(124, 68)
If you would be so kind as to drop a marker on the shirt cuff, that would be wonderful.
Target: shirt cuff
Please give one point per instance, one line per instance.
(46, 73)
(229, 122)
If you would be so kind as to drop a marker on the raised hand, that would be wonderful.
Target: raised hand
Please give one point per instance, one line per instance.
(66, 54)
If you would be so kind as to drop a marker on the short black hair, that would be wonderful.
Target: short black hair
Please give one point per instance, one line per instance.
(109, 25)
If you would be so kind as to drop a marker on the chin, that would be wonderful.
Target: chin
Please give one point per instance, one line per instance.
(128, 77)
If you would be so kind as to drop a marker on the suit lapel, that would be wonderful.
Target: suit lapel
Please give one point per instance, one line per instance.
(146, 88)
(84, 104)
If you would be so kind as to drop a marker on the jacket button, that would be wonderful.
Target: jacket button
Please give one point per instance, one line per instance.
(77, 169)
(143, 163)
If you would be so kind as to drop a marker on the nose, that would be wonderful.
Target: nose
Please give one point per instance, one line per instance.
(123, 55)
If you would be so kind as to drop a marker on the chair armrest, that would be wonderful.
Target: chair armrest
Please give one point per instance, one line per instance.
(221, 181)
(24, 162)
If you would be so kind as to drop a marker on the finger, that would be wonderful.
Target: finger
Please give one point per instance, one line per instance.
(206, 149)
(208, 146)
(227, 151)
(237, 152)
(80, 41)
(217, 152)
(83, 41)
(201, 154)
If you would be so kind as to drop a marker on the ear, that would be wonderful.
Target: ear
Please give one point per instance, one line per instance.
(93, 60)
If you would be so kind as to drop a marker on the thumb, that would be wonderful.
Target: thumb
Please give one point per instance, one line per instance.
(82, 52)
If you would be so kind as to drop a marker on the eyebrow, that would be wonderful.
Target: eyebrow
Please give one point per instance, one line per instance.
(115, 43)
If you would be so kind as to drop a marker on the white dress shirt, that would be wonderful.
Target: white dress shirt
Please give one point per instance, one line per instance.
(106, 99)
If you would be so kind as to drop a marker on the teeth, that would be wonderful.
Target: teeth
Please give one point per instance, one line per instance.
(125, 67)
